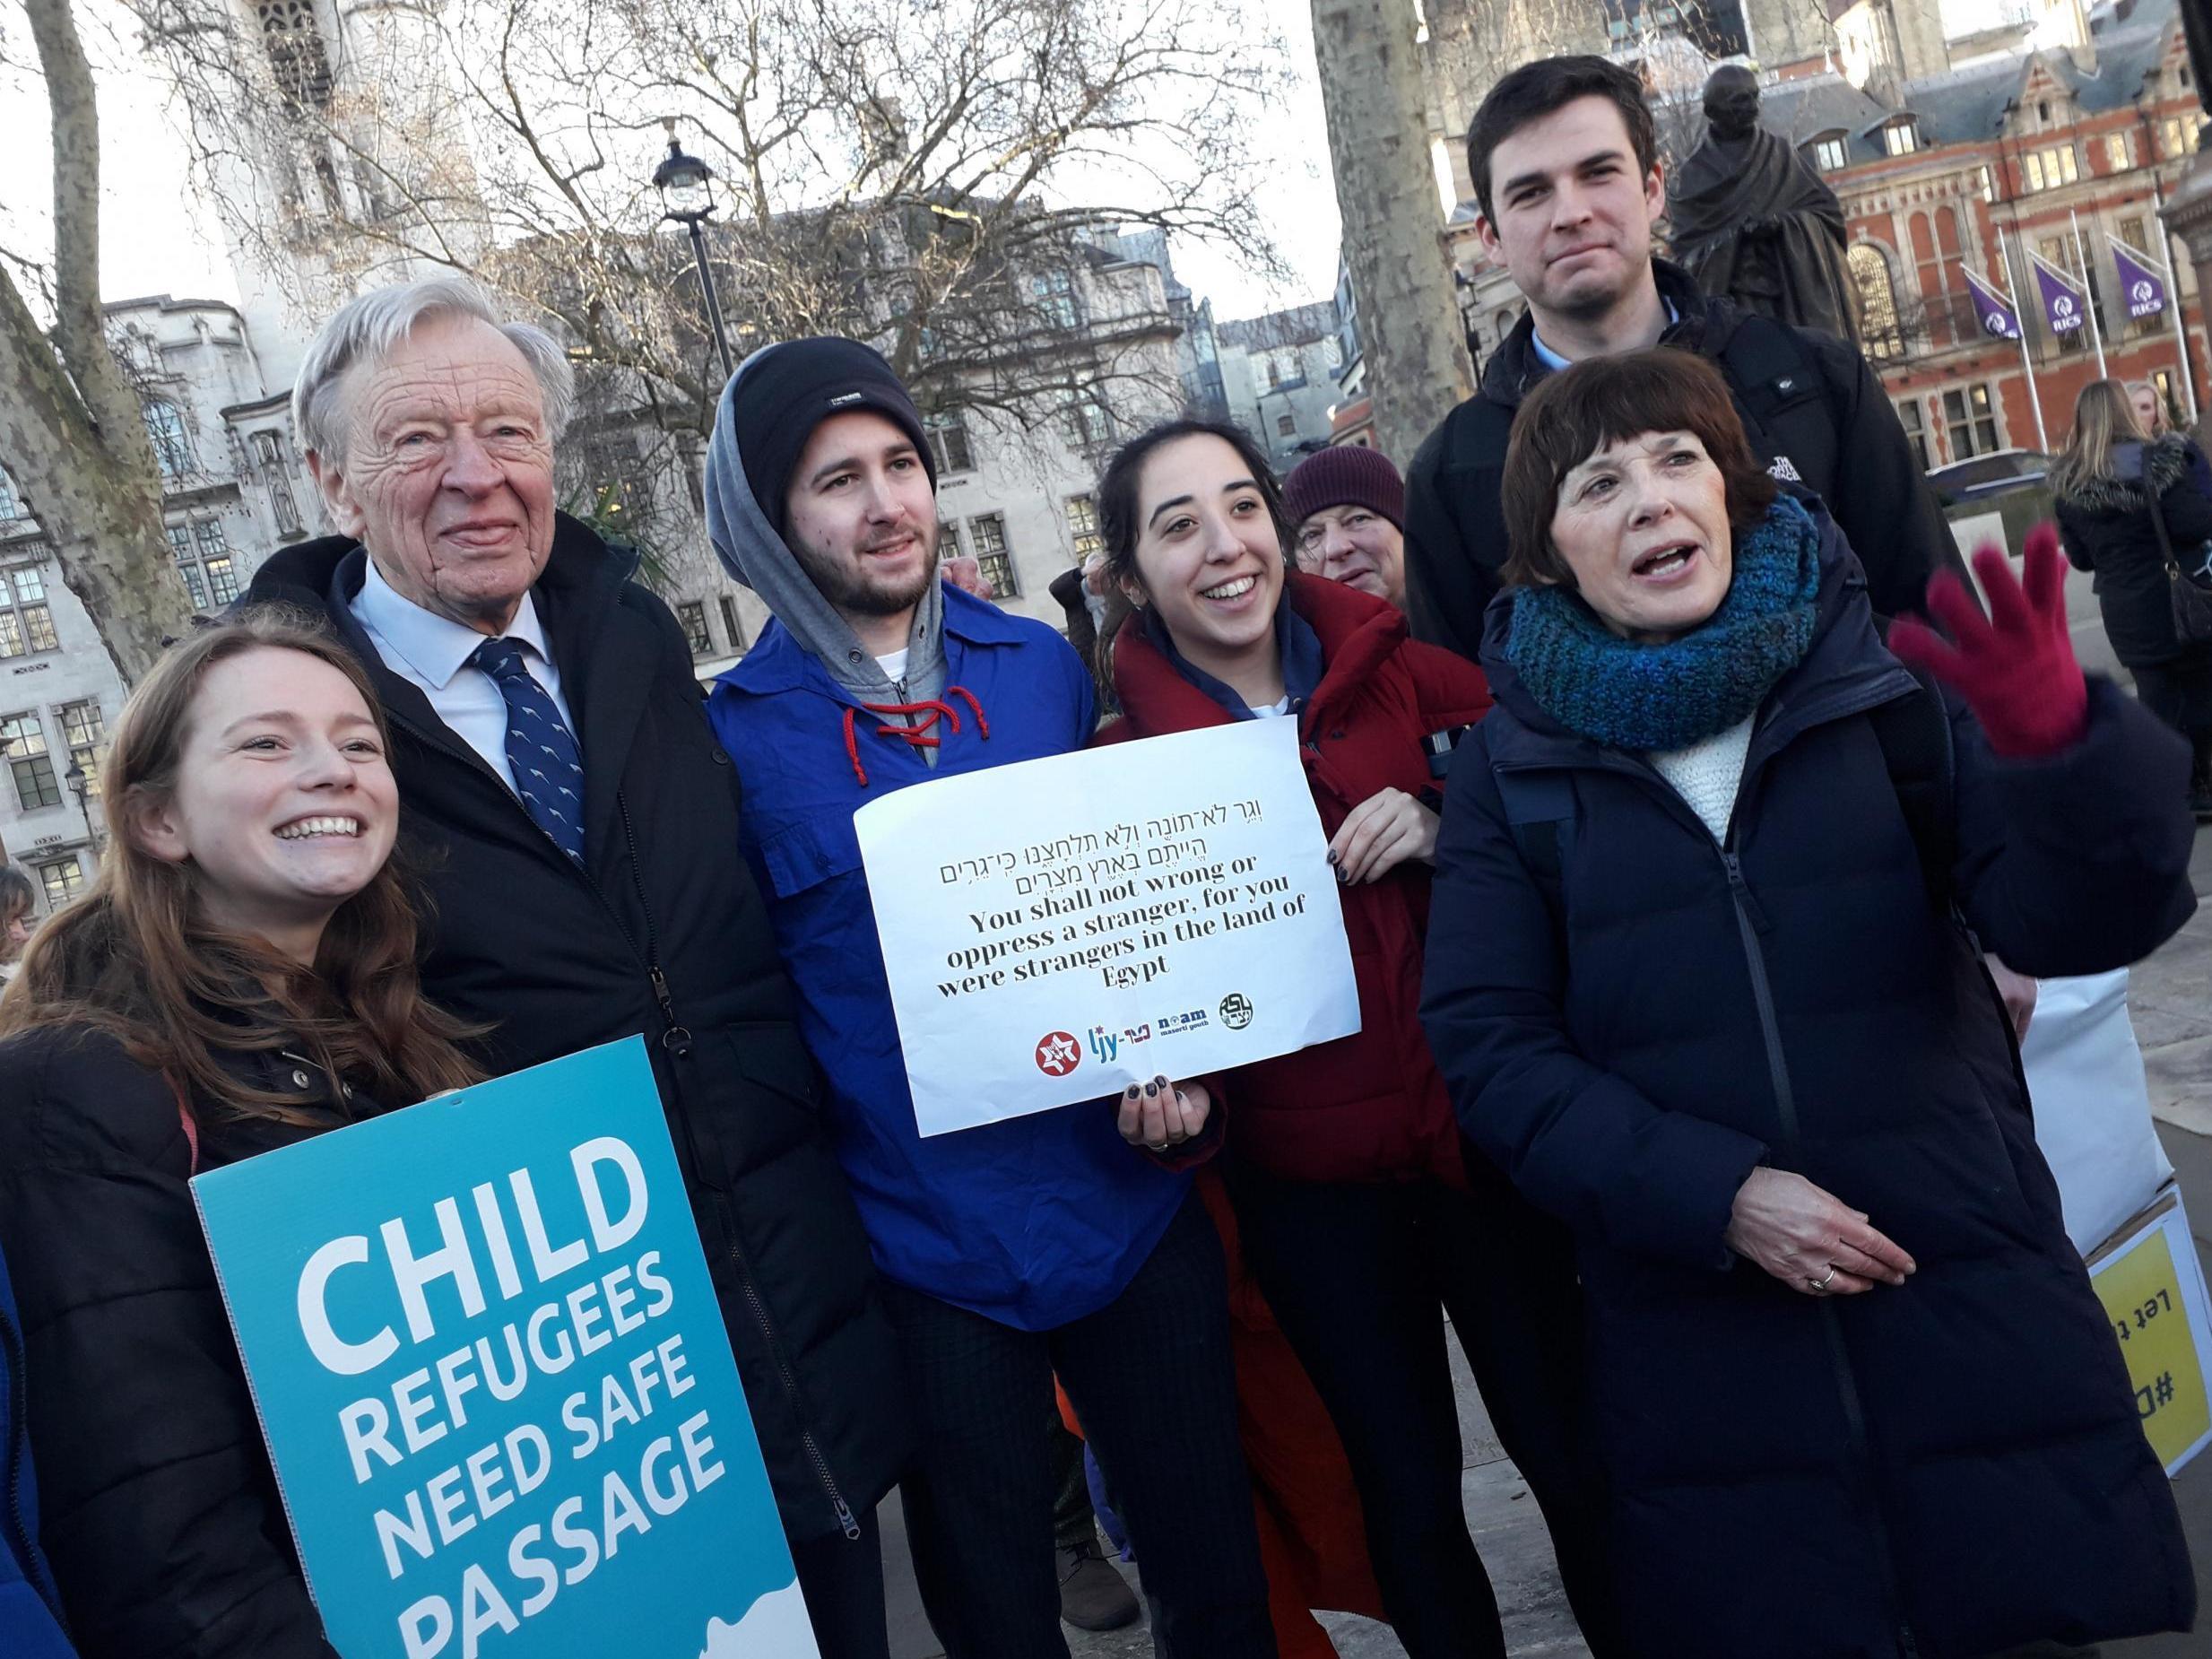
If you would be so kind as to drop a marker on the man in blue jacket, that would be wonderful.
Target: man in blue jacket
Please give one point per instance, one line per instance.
(1011, 1252)
(29, 1606)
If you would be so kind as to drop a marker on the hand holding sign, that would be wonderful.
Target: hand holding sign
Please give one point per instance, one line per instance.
(1159, 1115)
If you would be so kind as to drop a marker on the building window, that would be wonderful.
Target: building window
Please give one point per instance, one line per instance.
(295, 49)
(2119, 151)
(64, 879)
(85, 729)
(1989, 185)
(11, 500)
(2047, 169)
(1087, 422)
(1083, 521)
(1286, 426)
(22, 741)
(1055, 293)
(203, 559)
(1969, 421)
(1877, 301)
(1831, 152)
(986, 535)
(2177, 134)
(731, 625)
(26, 620)
(1900, 138)
(948, 442)
(1915, 430)
(172, 448)
(692, 615)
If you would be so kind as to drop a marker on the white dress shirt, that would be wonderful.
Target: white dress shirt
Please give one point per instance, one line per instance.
(433, 652)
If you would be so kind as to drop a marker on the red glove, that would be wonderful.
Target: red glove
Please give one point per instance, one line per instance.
(2017, 670)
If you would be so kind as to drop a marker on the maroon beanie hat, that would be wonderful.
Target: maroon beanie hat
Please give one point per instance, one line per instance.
(1345, 475)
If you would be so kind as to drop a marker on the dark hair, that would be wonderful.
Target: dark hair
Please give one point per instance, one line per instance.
(137, 958)
(18, 897)
(1602, 400)
(1534, 91)
(1118, 523)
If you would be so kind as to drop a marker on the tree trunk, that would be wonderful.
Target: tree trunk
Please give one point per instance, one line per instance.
(1409, 326)
(70, 423)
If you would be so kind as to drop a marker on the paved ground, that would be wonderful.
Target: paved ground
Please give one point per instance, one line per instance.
(2171, 999)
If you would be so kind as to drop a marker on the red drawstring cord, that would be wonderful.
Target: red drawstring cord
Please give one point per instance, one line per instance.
(921, 736)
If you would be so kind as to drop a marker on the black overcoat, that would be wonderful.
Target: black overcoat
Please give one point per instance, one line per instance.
(1943, 1470)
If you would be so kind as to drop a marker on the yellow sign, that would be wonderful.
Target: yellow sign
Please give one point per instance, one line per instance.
(2144, 1299)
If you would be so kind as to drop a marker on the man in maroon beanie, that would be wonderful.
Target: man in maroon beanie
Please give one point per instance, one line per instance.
(1349, 505)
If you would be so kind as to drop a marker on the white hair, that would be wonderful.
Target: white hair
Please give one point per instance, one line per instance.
(369, 326)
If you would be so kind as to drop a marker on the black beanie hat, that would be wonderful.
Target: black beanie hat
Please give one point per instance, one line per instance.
(790, 389)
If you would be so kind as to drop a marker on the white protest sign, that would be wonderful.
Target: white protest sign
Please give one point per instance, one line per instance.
(1058, 929)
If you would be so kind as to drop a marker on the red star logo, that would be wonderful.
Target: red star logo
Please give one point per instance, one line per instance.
(1058, 1054)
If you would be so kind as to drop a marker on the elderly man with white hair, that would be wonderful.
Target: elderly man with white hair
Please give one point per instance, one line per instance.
(579, 829)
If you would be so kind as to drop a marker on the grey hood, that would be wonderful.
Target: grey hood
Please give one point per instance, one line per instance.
(752, 552)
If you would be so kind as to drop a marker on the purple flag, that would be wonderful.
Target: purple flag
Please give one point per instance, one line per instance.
(2142, 283)
(2064, 307)
(1996, 312)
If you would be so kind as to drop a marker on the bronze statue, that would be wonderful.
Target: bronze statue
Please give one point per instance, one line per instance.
(1753, 223)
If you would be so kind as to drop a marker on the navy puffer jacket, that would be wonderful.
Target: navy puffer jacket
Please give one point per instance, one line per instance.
(1942, 1469)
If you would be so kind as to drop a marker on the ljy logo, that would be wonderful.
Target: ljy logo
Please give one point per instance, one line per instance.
(1103, 1043)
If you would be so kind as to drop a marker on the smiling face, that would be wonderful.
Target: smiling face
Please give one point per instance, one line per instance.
(862, 519)
(447, 475)
(1643, 526)
(1358, 547)
(284, 805)
(1571, 213)
(1208, 560)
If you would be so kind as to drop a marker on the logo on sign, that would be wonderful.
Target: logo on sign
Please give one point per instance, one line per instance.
(2143, 292)
(1995, 324)
(1058, 1054)
(1237, 1011)
(2062, 317)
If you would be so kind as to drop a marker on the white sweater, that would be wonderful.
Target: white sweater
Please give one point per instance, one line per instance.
(1708, 774)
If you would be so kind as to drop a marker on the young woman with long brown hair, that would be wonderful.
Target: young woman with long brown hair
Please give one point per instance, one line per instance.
(240, 977)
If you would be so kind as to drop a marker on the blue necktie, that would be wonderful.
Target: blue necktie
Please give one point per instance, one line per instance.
(541, 750)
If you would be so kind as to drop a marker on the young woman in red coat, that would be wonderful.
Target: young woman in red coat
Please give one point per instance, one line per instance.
(1364, 1215)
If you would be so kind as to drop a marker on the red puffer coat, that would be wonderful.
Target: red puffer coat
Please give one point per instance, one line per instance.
(1370, 1107)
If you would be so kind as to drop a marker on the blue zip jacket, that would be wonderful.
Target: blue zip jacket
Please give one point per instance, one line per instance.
(29, 1606)
(1033, 1221)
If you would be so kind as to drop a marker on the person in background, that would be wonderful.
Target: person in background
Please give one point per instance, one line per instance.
(1364, 1213)
(576, 817)
(2150, 409)
(1565, 158)
(30, 1605)
(1700, 976)
(1349, 507)
(18, 917)
(1037, 1246)
(2115, 489)
(240, 977)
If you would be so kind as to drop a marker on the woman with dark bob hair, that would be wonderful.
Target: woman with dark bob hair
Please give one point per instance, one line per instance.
(1361, 1213)
(240, 977)
(1700, 978)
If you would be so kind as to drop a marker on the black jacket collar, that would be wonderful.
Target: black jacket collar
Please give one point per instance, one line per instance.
(1702, 324)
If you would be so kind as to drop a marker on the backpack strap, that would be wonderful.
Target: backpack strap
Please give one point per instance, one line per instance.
(1915, 735)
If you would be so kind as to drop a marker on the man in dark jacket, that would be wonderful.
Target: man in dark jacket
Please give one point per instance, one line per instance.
(30, 1624)
(575, 821)
(1567, 173)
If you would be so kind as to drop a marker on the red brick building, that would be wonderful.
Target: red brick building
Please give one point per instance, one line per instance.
(2028, 144)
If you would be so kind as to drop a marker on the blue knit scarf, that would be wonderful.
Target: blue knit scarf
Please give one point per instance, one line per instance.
(1640, 697)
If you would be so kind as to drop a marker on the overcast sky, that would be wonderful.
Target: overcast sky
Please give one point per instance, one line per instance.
(156, 239)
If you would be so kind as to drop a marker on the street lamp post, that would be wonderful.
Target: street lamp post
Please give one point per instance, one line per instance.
(80, 785)
(687, 187)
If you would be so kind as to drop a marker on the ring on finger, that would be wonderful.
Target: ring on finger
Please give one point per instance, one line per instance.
(1822, 1284)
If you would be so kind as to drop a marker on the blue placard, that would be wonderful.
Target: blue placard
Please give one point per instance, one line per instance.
(495, 1382)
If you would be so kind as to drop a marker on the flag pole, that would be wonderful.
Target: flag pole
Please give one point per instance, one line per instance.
(2089, 294)
(2019, 325)
(2173, 298)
